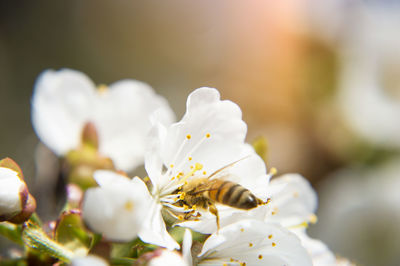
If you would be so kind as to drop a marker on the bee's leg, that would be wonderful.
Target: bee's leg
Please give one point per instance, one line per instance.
(213, 209)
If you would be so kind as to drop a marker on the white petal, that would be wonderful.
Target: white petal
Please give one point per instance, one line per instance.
(154, 231)
(153, 160)
(168, 258)
(254, 243)
(89, 260)
(294, 203)
(206, 114)
(61, 104)
(187, 246)
(123, 203)
(319, 252)
(10, 188)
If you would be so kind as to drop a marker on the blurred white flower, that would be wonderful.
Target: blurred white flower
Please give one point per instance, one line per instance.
(164, 257)
(12, 193)
(64, 101)
(251, 242)
(361, 208)
(117, 207)
(369, 90)
(89, 260)
(209, 137)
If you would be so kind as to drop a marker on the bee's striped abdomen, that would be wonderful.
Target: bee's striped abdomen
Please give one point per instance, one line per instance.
(232, 194)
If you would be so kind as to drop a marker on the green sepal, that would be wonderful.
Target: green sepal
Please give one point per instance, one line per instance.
(131, 249)
(122, 261)
(34, 237)
(71, 233)
(12, 232)
(13, 262)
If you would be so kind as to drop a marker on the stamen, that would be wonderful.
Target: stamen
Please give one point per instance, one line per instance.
(273, 171)
(128, 205)
(197, 167)
(313, 218)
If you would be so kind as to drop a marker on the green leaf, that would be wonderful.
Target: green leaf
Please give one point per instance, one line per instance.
(12, 232)
(34, 237)
(71, 233)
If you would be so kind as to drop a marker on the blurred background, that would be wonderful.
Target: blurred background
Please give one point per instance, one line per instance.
(320, 80)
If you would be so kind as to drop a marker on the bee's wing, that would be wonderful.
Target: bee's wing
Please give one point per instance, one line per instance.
(222, 172)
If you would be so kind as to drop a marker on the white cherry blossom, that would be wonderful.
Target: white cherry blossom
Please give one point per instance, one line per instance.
(116, 208)
(251, 242)
(64, 101)
(209, 137)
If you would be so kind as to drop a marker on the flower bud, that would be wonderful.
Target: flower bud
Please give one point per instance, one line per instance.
(90, 136)
(16, 204)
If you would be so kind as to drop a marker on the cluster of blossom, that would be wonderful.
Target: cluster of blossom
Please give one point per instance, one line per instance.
(100, 132)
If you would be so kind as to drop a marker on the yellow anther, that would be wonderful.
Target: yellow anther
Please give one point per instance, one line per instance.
(194, 207)
(186, 182)
(204, 172)
(260, 256)
(190, 158)
(191, 167)
(269, 236)
(273, 244)
(208, 135)
(185, 207)
(172, 178)
(224, 264)
(300, 225)
(232, 260)
(172, 166)
(102, 88)
(180, 217)
(313, 218)
(273, 171)
(188, 136)
(128, 205)
(250, 244)
(198, 166)
(182, 196)
(241, 230)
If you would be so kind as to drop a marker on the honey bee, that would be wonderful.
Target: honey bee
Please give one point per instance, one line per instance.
(203, 193)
